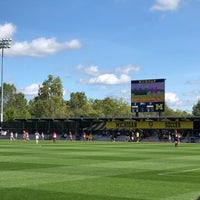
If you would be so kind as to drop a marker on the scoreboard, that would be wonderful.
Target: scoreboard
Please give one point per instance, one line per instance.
(148, 95)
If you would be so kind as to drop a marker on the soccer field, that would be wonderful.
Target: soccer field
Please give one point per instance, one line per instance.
(98, 170)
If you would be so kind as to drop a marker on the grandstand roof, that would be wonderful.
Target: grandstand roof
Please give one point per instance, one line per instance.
(153, 118)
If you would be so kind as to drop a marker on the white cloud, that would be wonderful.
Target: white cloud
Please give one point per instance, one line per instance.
(109, 79)
(106, 78)
(172, 99)
(92, 70)
(73, 44)
(127, 69)
(31, 90)
(165, 5)
(7, 30)
(38, 47)
(41, 47)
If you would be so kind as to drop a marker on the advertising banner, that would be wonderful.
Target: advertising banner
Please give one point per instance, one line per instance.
(128, 125)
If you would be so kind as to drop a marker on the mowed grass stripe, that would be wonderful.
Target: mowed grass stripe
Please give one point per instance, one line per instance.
(98, 170)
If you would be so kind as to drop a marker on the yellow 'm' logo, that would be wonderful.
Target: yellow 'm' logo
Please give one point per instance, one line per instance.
(159, 106)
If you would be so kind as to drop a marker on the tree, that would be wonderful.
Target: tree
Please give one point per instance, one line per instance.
(196, 109)
(110, 107)
(124, 108)
(49, 102)
(77, 103)
(179, 112)
(168, 111)
(15, 104)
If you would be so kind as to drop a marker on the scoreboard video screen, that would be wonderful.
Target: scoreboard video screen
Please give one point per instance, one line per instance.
(148, 95)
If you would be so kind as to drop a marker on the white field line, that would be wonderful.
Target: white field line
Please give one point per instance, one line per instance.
(178, 172)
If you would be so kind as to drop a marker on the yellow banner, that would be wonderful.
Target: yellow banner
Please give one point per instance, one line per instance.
(149, 125)
(165, 125)
(121, 125)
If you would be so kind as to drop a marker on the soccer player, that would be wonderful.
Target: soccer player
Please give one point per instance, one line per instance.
(24, 135)
(37, 136)
(70, 136)
(84, 136)
(176, 138)
(54, 136)
(11, 136)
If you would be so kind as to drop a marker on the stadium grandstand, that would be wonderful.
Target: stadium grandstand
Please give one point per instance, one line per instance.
(151, 128)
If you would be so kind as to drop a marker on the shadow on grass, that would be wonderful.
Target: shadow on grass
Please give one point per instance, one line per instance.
(32, 194)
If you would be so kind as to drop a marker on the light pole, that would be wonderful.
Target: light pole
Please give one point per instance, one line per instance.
(4, 44)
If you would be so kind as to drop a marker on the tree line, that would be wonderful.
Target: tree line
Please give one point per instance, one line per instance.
(49, 103)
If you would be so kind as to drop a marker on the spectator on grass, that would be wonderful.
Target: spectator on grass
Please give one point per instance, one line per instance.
(114, 137)
(169, 138)
(42, 135)
(65, 136)
(90, 136)
(137, 136)
(16, 135)
(132, 136)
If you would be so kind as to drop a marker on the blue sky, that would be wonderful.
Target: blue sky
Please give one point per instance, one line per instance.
(98, 47)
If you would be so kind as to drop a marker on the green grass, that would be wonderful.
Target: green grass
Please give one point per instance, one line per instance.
(98, 170)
